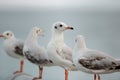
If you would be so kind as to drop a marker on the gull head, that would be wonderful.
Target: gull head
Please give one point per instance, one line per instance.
(80, 42)
(7, 35)
(78, 38)
(60, 27)
(37, 31)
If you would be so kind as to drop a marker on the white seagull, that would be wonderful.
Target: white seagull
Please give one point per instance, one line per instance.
(57, 50)
(35, 53)
(93, 61)
(13, 47)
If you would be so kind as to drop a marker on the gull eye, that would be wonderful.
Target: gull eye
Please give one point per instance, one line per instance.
(7, 34)
(55, 27)
(61, 25)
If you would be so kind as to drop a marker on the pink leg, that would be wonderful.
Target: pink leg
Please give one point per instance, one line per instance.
(40, 73)
(94, 76)
(66, 74)
(21, 67)
(98, 77)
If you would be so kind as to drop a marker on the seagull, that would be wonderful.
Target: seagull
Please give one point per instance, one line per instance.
(93, 61)
(57, 50)
(13, 47)
(35, 53)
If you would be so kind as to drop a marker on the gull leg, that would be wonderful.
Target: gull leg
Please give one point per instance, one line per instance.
(98, 77)
(21, 67)
(94, 76)
(40, 73)
(66, 74)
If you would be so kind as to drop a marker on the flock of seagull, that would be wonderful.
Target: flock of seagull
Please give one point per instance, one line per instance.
(58, 53)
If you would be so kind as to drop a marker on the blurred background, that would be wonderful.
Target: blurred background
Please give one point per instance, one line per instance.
(97, 20)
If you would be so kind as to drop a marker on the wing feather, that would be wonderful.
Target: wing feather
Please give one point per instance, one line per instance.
(96, 60)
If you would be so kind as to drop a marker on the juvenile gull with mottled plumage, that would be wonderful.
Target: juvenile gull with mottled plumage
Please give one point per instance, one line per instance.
(93, 61)
(35, 53)
(13, 47)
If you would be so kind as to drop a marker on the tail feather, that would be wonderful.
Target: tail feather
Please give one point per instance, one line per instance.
(117, 67)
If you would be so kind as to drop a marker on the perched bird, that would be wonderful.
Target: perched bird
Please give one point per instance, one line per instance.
(57, 50)
(93, 61)
(35, 53)
(13, 47)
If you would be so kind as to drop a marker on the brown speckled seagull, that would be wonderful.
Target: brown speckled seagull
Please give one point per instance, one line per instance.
(13, 47)
(93, 61)
(35, 53)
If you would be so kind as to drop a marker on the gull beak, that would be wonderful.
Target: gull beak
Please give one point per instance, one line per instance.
(71, 28)
(1, 35)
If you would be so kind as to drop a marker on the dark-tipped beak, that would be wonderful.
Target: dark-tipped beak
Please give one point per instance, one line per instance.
(1, 35)
(69, 28)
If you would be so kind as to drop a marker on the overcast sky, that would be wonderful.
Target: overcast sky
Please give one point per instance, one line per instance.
(37, 4)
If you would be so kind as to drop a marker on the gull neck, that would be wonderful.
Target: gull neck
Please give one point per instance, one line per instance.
(57, 36)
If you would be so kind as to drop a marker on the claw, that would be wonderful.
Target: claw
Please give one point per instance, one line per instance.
(36, 78)
(17, 72)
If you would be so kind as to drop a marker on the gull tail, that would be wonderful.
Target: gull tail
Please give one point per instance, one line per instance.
(117, 67)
